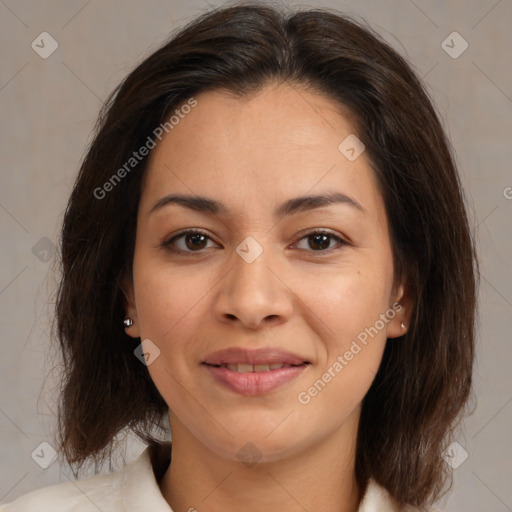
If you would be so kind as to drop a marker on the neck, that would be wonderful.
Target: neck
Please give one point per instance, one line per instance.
(321, 477)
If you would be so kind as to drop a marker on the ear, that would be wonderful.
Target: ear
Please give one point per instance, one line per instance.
(402, 305)
(126, 286)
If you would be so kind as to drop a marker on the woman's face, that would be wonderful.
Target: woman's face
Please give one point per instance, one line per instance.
(256, 287)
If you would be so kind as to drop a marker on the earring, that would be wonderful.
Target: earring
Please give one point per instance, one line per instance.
(128, 322)
(402, 325)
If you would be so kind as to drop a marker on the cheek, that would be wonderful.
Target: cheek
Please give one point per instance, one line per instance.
(168, 310)
(167, 298)
(172, 308)
(350, 308)
(350, 353)
(346, 300)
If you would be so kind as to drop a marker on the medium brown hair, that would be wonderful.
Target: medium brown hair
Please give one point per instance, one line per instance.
(424, 380)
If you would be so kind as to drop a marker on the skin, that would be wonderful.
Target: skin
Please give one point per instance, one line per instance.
(252, 154)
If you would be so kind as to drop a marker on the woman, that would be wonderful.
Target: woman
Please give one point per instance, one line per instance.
(267, 245)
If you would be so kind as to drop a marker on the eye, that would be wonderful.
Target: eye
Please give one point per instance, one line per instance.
(196, 239)
(193, 239)
(320, 238)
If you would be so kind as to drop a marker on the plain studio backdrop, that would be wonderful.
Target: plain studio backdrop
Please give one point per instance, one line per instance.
(50, 95)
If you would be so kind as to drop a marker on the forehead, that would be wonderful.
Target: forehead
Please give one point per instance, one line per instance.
(259, 150)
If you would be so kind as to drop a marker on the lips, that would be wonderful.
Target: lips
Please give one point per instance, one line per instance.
(255, 357)
(249, 368)
(254, 372)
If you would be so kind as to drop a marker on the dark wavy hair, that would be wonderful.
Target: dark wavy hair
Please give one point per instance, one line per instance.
(423, 384)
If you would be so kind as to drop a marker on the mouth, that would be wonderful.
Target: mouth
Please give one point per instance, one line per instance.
(254, 372)
(259, 357)
(255, 368)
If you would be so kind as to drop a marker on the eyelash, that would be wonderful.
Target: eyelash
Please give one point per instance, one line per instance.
(168, 244)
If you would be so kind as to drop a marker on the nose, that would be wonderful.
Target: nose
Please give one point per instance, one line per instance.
(254, 292)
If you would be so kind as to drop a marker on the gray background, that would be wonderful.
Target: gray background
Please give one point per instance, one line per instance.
(47, 111)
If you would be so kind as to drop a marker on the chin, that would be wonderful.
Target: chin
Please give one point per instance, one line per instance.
(259, 444)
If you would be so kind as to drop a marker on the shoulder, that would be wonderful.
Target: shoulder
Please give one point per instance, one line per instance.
(377, 499)
(89, 494)
(135, 487)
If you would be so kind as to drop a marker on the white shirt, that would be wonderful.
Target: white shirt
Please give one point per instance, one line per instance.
(136, 489)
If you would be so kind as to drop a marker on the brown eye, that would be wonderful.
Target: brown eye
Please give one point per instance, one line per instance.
(191, 241)
(319, 241)
(195, 241)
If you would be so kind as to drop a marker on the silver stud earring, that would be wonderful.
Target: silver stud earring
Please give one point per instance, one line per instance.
(402, 325)
(128, 322)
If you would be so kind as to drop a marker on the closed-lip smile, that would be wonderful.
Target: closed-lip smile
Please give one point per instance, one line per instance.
(256, 371)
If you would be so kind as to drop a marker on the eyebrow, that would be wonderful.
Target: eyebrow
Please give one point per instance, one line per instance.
(289, 207)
